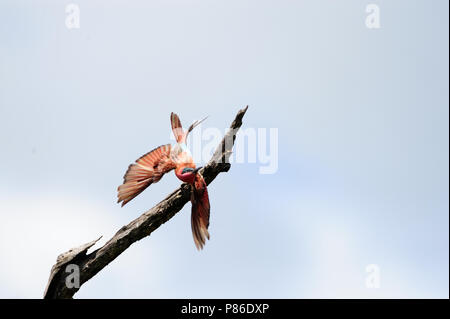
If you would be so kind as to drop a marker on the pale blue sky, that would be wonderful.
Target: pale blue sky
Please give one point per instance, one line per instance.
(362, 118)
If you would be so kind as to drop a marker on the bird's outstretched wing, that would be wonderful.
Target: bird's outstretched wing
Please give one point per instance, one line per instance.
(148, 169)
(200, 212)
(177, 129)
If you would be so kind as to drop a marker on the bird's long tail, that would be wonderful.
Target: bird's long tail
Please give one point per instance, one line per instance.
(200, 212)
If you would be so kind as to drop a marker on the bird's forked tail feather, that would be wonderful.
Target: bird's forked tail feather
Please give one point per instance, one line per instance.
(200, 212)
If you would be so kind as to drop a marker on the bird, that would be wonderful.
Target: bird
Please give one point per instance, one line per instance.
(150, 167)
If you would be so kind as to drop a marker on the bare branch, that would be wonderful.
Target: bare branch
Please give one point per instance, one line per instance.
(90, 264)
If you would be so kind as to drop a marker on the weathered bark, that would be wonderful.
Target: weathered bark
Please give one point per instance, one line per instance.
(90, 264)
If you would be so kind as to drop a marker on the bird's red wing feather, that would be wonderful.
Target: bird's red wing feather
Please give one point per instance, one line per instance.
(148, 169)
(200, 212)
(177, 129)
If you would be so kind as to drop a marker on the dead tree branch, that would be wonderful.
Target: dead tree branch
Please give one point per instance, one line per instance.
(90, 264)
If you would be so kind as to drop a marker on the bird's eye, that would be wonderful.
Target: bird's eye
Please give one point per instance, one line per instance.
(186, 170)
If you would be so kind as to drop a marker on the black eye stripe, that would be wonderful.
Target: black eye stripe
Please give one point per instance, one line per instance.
(187, 169)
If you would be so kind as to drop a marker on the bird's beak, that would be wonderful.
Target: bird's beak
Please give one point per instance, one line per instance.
(197, 169)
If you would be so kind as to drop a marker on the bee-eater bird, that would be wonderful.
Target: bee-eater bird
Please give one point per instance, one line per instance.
(150, 167)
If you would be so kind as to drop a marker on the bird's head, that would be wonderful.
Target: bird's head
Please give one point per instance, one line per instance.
(187, 174)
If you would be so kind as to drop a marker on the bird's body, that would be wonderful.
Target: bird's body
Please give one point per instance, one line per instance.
(150, 167)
